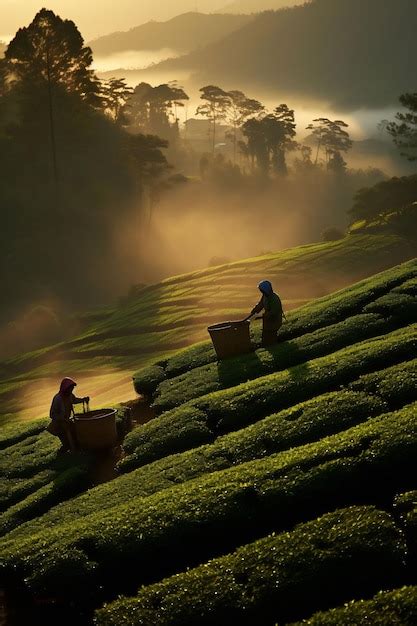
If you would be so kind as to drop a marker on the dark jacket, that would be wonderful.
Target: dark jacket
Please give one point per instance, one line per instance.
(273, 313)
(61, 407)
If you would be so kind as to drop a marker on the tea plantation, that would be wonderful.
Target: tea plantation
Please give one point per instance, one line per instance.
(279, 487)
(156, 321)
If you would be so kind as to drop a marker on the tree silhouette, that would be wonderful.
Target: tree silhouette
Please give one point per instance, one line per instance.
(139, 106)
(257, 150)
(164, 102)
(241, 108)
(404, 131)
(337, 163)
(51, 49)
(215, 108)
(155, 109)
(116, 94)
(331, 136)
(51, 52)
(269, 138)
(280, 133)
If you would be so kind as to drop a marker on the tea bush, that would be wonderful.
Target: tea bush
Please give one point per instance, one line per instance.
(313, 316)
(62, 487)
(393, 608)
(216, 376)
(11, 434)
(30, 456)
(292, 427)
(405, 506)
(236, 407)
(12, 490)
(213, 514)
(300, 424)
(33, 476)
(396, 385)
(267, 448)
(322, 561)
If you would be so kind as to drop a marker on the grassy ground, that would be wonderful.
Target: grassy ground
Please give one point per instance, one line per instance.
(162, 318)
(271, 487)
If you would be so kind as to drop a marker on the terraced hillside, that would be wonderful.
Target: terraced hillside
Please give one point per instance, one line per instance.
(271, 487)
(158, 320)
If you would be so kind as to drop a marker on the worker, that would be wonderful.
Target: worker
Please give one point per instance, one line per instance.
(60, 414)
(271, 304)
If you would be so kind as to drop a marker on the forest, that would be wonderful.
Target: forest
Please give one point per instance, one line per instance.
(109, 178)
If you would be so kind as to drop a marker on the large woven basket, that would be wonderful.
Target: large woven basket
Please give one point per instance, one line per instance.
(231, 339)
(96, 430)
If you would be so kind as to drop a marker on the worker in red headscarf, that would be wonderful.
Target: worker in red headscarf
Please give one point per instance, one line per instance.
(60, 413)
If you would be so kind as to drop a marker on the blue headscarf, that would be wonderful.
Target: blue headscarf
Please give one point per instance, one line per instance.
(266, 288)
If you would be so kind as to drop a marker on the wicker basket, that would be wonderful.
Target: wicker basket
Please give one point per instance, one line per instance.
(231, 339)
(96, 430)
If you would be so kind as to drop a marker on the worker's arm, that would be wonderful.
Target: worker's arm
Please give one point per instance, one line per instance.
(258, 308)
(76, 400)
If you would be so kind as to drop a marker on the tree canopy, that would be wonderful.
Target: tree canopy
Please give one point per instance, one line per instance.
(52, 50)
(385, 197)
(52, 104)
(404, 130)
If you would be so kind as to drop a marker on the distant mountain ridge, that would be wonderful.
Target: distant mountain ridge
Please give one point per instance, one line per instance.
(257, 6)
(183, 33)
(348, 53)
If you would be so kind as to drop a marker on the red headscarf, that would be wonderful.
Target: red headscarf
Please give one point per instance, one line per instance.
(66, 384)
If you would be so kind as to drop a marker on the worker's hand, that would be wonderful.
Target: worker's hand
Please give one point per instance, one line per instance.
(86, 399)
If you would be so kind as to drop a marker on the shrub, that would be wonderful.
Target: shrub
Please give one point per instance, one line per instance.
(300, 424)
(148, 379)
(405, 505)
(239, 406)
(123, 421)
(34, 477)
(397, 386)
(12, 490)
(216, 376)
(30, 456)
(13, 433)
(402, 305)
(394, 608)
(409, 286)
(292, 427)
(204, 518)
(65, 485)
(277, 578)
(318, 314)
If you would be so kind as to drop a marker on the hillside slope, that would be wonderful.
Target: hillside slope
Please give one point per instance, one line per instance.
(314, 52)
(282, 482)
(162, 318)
(182, 33)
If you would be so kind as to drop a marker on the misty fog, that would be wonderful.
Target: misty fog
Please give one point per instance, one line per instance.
(176, 201)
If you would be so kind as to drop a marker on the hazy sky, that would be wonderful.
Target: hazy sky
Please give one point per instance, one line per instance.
(97, 17)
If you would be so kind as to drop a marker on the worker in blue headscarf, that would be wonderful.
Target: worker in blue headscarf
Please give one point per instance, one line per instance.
(270, 303)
